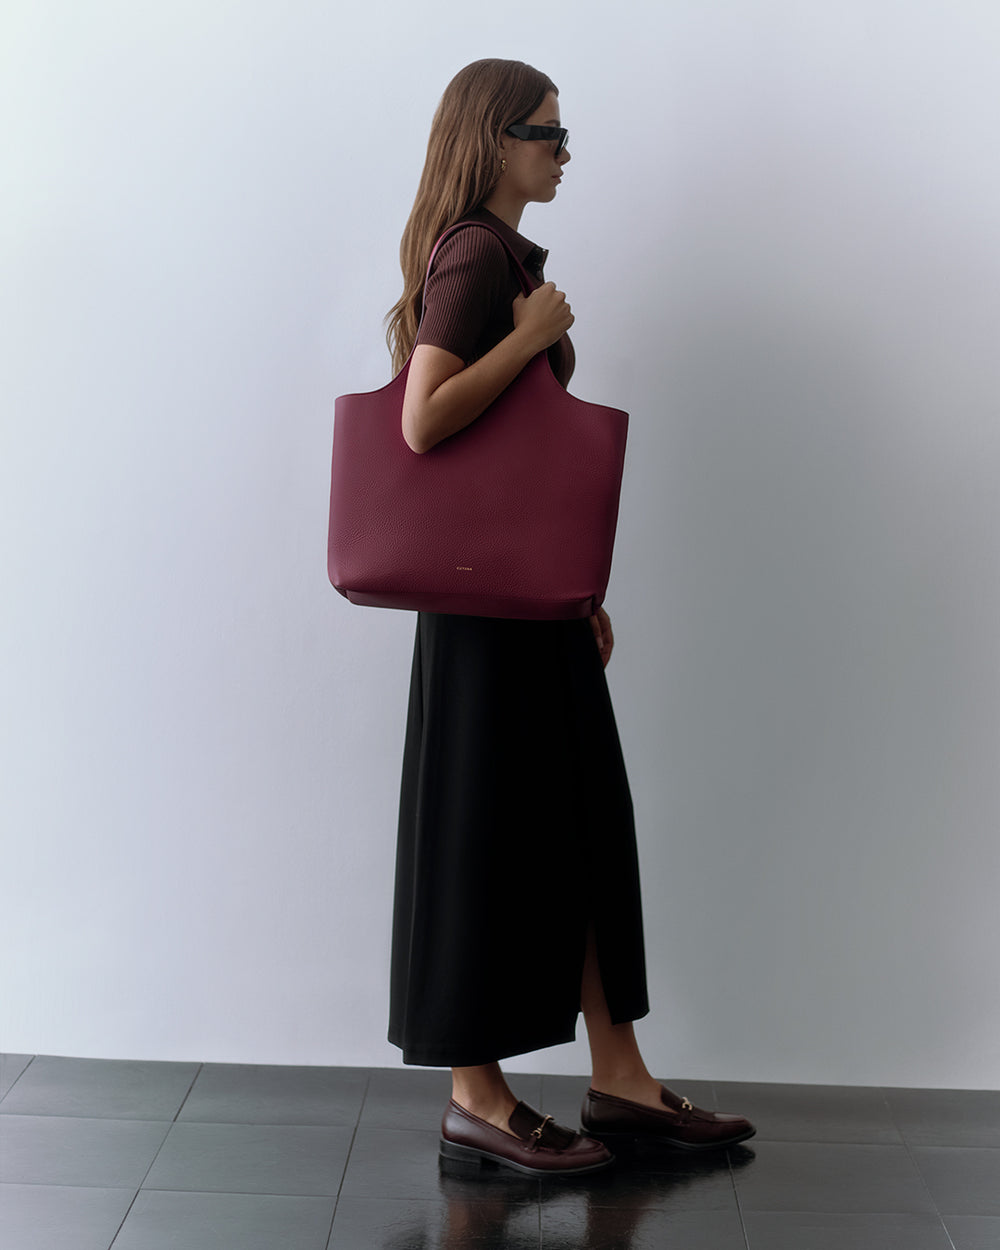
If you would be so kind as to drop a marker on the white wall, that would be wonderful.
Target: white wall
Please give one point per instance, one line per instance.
(781, 236)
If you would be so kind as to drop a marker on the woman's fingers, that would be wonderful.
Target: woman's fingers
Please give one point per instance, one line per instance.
(545, 314)
(600, 623)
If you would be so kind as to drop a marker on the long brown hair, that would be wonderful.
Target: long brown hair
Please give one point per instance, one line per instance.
(461, 169)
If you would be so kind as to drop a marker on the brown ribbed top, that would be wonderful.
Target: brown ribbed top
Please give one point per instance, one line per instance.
(470, 290)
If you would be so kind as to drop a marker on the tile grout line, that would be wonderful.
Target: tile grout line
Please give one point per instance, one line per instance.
(733, 1174)
(916, 1166)
(17, 1079)
(739, 1202)
(152, 1161)
(732, 1177)
(201, 1068)
(347, 1160)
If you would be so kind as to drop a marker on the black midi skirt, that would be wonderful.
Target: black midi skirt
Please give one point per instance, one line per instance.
(515, 835)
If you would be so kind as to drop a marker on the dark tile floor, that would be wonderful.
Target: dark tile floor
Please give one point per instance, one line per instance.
(184, 1156)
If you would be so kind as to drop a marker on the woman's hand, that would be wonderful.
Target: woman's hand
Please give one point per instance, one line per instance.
(443, 395)
(543, 317)
(605, 639)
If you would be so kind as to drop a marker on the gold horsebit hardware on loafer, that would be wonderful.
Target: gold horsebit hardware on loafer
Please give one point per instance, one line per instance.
(686, 1106)
(536, 1133)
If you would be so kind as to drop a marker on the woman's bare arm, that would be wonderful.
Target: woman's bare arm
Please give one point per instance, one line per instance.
(444, 395)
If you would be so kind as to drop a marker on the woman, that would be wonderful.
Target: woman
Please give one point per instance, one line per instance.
(517, 887)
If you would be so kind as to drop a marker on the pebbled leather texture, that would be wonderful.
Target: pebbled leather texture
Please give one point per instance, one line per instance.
(552, 1149)
(513, 516)
(683, 1125)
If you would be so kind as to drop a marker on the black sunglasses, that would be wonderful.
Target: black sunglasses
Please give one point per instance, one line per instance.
(558, 133)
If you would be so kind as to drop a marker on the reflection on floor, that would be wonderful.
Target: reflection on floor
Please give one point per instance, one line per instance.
(150, 1156)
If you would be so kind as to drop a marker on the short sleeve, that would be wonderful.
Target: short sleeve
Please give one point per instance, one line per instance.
(468, 291)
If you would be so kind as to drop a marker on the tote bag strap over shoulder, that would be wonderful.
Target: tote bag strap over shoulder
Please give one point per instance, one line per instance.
(527, 286)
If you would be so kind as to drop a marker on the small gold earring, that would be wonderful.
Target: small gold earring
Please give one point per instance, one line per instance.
(503, 166)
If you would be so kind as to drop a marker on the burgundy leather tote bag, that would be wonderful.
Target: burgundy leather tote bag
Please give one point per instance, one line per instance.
(513, 516)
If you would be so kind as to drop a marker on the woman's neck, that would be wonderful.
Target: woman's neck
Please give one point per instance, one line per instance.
(508, 210)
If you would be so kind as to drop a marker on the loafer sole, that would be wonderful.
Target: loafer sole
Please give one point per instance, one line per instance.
(475, 1157)
(617, 1142)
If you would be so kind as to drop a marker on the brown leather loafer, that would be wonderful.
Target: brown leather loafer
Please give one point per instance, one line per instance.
(540, 1148)
(617, 1122)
